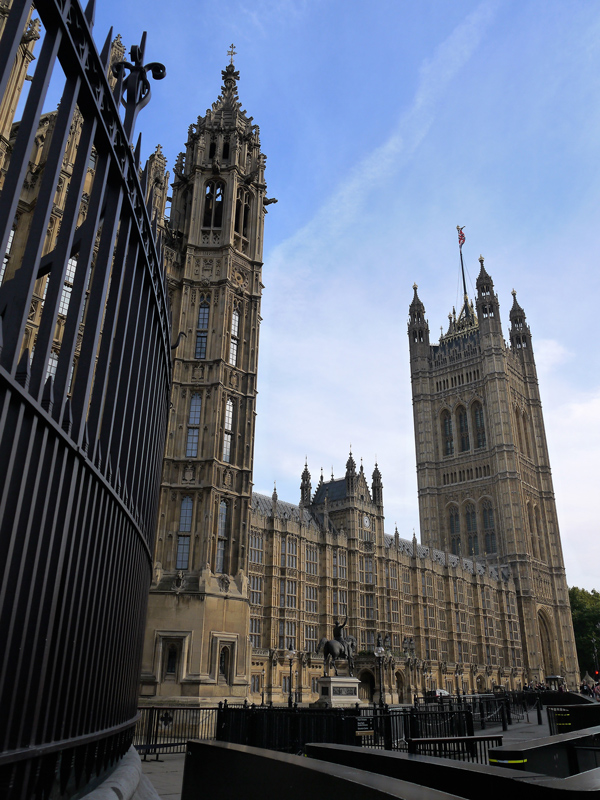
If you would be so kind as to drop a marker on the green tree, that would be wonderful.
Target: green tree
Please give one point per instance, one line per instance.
(585, 610)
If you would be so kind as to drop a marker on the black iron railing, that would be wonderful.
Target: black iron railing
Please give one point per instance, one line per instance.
(461, 748)
(162, 729)
(84, 397)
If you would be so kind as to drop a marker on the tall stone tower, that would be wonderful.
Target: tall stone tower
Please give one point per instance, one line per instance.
(198, 620)
(483, 470)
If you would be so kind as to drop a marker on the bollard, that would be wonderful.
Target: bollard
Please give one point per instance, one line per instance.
(539, 710)
(503, 716)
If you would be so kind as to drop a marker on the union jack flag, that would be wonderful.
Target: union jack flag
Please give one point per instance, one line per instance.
(461, 236)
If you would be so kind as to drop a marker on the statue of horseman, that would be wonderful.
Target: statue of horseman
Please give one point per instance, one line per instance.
(339, 647)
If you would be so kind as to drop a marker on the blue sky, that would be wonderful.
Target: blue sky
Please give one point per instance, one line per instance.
(385, 125)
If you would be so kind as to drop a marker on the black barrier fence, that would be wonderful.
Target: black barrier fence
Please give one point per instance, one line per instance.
(563, 719)
(461, 748)
(288, 730)
(84, 395)
(162, 729)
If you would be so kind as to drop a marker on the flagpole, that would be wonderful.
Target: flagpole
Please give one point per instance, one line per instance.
(461, 240)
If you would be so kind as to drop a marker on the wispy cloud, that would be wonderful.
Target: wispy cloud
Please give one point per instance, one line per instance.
(342, 209)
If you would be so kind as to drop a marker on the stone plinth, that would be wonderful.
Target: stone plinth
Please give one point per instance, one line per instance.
(337, 691)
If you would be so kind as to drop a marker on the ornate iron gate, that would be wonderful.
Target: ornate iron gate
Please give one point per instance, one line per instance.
(82, 429)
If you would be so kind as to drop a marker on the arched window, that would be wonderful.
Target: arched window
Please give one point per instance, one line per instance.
(228, 434)
(242, 212)
(454, 519)
(525, 422)
(539, 532)
(488, 527)
(471, 519)
(235, 332)
(193, 432)
(447, 436)
(478, 424)
(202, 331)
(221, 537)
(183, 539)
(463, 427)
(224, 663)
(532, 532)
(213, 204)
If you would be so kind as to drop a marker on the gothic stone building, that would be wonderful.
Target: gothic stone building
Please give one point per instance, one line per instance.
(246, 585)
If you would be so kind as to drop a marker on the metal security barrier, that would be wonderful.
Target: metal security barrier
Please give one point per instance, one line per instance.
(84, 397)
(462, 748)
(162, 729)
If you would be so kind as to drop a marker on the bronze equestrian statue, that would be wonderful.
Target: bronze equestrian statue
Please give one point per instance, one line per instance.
(339, 647)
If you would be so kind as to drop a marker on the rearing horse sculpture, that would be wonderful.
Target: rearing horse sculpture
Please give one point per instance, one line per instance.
(334, 649)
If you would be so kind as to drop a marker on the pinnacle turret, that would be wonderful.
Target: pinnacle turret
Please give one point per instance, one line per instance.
(305, 486)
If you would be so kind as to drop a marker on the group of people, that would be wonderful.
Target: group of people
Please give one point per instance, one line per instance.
(590, 691)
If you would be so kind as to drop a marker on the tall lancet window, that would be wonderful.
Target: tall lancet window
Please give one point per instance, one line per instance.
(478, 424)
(454, 531)
(221, 537)
(235, 331)
(242, 212)
(213, 204)
(488, 527)
(463, 427)
(472, 540)
(447, 436)
(228, 435)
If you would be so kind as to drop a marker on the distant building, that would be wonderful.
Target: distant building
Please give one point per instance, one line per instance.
(242, 579)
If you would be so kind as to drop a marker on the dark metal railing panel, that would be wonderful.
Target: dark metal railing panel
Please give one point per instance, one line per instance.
(165, 729)
(81, 451)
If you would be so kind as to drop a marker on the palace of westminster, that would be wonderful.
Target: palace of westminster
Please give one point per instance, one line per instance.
(245, 585)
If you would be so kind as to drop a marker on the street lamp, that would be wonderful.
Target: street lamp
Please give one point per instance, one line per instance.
(262, 694)
(291, 655)
(379, 655)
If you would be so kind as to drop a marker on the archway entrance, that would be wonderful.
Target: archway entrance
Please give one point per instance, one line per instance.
(366, 688)
(547, 660)
(400, 688)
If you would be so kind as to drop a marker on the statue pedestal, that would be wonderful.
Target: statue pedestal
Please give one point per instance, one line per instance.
(336, 691)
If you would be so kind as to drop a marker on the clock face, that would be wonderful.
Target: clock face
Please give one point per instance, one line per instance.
(366, 522)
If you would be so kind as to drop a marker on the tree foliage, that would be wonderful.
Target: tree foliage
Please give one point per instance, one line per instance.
(585, 610)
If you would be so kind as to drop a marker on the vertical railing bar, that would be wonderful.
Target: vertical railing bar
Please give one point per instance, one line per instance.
(65, 678)
(93, 316)
(62, 517)
(62, 252)
(76, 303)
(109, 356)
(123, 334)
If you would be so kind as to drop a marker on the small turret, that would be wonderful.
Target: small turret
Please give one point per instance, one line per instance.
(305, 487)
(274, 499)
(377, 486)
(418, 329)
(488, 308)
(350, 476)
(520, 335)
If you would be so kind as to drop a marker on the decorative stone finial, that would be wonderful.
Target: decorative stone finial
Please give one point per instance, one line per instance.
(231, 52)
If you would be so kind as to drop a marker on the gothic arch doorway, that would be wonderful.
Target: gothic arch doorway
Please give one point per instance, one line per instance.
(366, 688)
(546, 638)
(400, 688)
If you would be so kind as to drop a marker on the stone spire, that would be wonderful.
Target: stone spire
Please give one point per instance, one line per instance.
(305, 486)
(377, 486)
(350, 475)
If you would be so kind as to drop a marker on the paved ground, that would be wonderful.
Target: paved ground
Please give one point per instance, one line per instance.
(166, 775)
